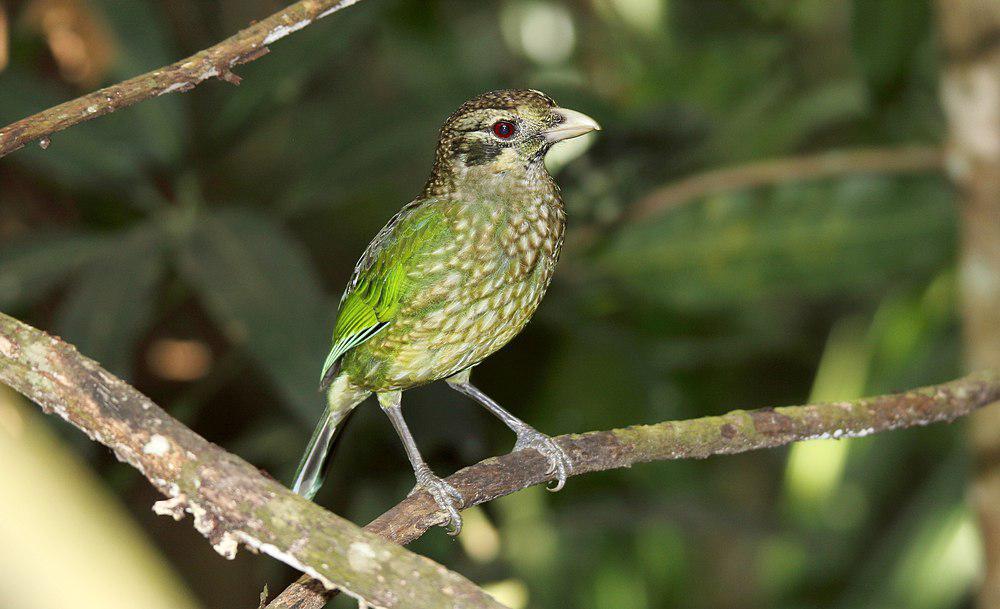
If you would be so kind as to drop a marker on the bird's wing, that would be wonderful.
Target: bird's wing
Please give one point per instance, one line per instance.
(372, 297)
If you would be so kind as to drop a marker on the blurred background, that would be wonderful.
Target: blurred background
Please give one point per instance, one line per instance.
(197, 244)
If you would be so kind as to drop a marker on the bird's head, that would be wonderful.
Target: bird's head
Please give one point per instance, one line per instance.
(504, 132)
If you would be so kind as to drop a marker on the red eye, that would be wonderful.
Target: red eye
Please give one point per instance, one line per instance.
(504, 129)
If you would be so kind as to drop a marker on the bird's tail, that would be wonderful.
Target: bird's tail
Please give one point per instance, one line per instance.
(316, 460)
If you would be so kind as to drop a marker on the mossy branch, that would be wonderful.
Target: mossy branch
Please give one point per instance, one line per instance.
(232, 502)
(735, 432)
(214, 62)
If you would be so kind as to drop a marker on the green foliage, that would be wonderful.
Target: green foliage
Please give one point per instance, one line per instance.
(234, 216)
(111, 302)
(142, 42)
(258, 284)
(32, 264)
(800, 241)
(885, 37)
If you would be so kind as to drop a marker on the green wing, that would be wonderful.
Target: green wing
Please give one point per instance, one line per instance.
(372, 298)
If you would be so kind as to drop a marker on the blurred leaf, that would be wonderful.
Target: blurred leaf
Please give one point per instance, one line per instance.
(99, 152)
(914, 336)
(257, 281)
(612, 583)
(142, 35)
(815, 470)
(586, 355)
(143, 44)
(914, 542)
(112, 301)
(328, 160)
(58, 513)
(31, 265)
(801, 240)
(884, 36)
(283, 78)
(942, 563)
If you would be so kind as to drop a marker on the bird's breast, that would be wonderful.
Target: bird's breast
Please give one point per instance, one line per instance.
(532, 234)
(474, 292)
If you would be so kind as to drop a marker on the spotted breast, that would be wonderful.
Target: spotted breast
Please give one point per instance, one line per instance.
(472, 289)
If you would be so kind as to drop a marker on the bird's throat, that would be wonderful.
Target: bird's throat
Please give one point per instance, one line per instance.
(505, 178)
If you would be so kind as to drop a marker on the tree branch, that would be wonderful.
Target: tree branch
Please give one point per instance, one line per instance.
(216, 61)
(735, 432)
(908, 159)
(231, 501)
(754, 175)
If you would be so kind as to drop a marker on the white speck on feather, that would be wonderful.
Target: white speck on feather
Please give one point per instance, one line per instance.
(283, 30)
(91, 109)
(157, 446)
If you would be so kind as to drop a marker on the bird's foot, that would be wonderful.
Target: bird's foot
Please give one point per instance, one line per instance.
(445, 495)
(559, 462)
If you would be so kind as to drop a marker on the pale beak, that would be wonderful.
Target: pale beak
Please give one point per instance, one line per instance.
(573, 123)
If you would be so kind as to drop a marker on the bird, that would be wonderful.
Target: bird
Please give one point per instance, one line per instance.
(451, 278)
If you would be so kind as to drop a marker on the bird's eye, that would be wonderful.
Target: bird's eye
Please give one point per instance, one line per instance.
(504, 129)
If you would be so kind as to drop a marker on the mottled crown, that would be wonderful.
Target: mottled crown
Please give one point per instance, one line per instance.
(505, 99)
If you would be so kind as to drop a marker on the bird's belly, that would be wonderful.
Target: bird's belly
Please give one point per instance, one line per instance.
(451, 325)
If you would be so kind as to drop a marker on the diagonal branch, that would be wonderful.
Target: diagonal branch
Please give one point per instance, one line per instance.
(214, 62)
(735, 432)
(232, 502)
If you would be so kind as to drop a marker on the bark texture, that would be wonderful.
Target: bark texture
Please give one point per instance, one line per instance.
(214, 62)
(735, 432)
(231, 501)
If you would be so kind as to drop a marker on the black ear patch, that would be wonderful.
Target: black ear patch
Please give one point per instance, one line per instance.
(477, 152)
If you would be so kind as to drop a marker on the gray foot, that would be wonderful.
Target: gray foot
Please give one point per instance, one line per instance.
(559, 463)
(445, 495)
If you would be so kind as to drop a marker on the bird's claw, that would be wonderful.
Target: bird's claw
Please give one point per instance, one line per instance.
(559, 462)
(445, 495)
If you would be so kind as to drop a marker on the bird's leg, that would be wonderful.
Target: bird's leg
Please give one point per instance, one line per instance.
(527, 436)
(447, 497)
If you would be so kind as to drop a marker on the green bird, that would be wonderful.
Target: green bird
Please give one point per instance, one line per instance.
(453, 276)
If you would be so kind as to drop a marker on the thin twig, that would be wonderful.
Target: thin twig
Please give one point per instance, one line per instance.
(909, 159)
(214, 62)
(232, 502)
(906, 159)
(735, 432)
